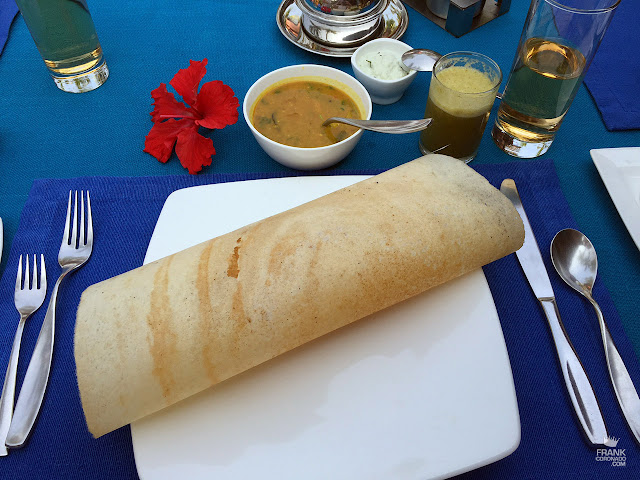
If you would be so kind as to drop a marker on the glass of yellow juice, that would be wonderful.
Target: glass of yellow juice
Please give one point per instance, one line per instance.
(66, 38)
(557, 45)
(462, 91)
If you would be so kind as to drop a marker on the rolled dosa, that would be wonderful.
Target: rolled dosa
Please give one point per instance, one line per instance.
(155, 335)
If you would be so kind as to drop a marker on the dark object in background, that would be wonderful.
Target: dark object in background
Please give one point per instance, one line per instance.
(460, 16)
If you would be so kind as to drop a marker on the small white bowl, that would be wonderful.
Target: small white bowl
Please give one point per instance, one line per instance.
(383, 92)
(315, 157)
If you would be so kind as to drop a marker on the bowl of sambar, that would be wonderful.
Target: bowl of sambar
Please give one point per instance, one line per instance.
(285, 110)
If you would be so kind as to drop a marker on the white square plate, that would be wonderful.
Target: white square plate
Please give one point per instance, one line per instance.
(620, 172)
(421, 390)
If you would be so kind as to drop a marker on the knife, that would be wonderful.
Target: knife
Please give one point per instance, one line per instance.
(583, 398)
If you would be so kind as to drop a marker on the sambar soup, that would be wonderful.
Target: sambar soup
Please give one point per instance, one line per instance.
(292, 113)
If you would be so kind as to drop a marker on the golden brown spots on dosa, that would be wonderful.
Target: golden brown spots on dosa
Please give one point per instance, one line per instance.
(280, 252)
(233, 270)
(163, 340)
(205, 312)
(237, 308)
(312, 284)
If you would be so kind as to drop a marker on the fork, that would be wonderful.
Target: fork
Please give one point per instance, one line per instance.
(28, 298)
(74, 252)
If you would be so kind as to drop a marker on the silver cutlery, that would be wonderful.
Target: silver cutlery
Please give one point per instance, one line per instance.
(28, 297)
(420, 59)
(583, 398)
(574, 258)
(383, 126)
(75, 250)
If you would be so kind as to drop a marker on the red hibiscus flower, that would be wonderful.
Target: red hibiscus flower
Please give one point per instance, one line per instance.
(177, 124)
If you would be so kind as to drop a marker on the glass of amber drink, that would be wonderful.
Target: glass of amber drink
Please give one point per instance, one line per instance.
(462, 91)
(66, 38)
(558, 42)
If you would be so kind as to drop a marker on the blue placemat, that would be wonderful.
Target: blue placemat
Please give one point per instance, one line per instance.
(614, 76)
(8, 10)
(125, 212)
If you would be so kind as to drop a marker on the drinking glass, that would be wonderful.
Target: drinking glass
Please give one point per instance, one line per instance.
(462, 91)
(557, 45)
(66, 38)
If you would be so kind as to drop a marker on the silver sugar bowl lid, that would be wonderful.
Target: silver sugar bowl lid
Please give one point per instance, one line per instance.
(342, 23)
(341, 7)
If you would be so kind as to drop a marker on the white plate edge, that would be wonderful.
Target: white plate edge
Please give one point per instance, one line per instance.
(609, 172)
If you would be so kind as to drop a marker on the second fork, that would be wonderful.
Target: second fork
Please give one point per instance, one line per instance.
(28, 298)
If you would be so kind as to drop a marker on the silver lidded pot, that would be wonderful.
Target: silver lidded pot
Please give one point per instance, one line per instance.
(341, 7)
(342, 23)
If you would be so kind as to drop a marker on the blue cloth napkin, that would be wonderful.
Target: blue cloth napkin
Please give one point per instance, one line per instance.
(614, 76)
(125, 212)
(8, 10)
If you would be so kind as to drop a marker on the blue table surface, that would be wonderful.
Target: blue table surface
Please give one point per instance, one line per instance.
(46, 133)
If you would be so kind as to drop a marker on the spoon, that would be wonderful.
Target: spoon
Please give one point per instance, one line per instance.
(575, 260)
(423, 60)
(420, 59)
(383, 126)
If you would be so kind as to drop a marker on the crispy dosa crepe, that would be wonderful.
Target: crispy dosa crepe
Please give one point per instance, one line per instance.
(155, 335)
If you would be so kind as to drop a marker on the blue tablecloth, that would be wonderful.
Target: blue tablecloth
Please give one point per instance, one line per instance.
(125, 212)
(46, 133)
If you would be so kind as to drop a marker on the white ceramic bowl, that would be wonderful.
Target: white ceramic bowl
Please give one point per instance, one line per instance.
(383, 92)
(316, 157)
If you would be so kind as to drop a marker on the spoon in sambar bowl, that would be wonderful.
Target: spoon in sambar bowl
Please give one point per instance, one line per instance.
(383, 126)
(574, 258)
